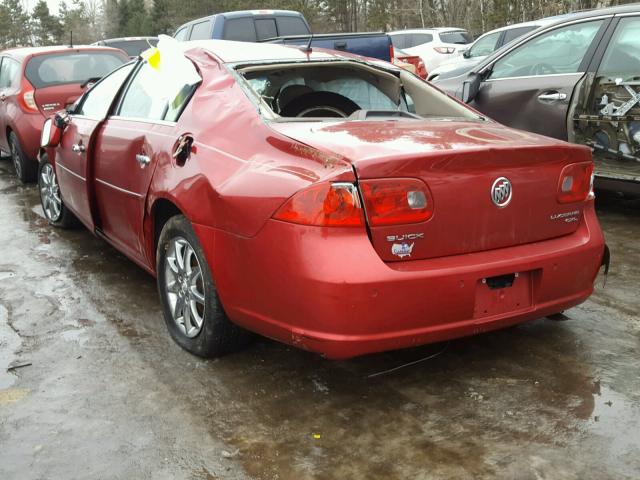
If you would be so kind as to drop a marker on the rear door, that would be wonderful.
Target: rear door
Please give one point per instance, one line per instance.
(77, 145)
(531, 86)
(131, 143)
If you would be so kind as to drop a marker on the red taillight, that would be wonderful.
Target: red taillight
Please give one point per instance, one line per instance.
(447, 50)
(396, 201)
(422, 70)
(392, 53)
(576, 183)
(325, 205)
(26, 97)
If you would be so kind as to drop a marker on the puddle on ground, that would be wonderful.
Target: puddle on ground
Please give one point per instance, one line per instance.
(9, 342)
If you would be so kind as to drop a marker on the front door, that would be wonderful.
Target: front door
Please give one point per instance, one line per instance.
(132, 142)
(72, 162)
(531, 86)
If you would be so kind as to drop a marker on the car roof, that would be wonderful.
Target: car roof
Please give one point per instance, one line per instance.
(428, 30)
(542, 22)
(243, 13)
(125, 39)
(236, 52)
(24, 52)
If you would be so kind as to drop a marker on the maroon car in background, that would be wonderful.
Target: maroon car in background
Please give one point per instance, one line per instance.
(37, 82)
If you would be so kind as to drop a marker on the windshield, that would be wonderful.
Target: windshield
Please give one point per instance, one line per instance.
(78, 67)
(459, 37)
(343, 89)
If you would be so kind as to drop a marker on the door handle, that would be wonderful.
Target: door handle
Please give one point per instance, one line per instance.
(552, 97)
(78, 148)
(143, 160)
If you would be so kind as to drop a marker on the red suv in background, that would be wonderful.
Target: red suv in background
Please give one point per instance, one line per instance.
(37, 82)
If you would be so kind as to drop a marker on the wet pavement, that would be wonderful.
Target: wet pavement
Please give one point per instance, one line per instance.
(98, 389)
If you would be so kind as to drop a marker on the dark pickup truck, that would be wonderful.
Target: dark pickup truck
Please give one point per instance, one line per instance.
(282, 26)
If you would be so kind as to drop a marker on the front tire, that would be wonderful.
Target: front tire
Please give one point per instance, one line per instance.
(26, 169)
(55, 211)
(192, 309)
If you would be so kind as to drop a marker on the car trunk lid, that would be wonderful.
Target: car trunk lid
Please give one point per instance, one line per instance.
(57, 97)
(460, 162)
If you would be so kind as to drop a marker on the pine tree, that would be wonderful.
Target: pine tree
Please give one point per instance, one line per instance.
(16, 31)
(160, 20)
(45, 28)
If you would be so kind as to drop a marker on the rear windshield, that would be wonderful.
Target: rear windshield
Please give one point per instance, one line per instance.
(78, 67)
(133, 47)
(461, 38)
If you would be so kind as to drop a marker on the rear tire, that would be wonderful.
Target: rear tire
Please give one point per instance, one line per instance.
(26, 169)
(55, 211)
(192, 309)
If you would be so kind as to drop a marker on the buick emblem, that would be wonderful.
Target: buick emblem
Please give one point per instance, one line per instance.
(501, 192)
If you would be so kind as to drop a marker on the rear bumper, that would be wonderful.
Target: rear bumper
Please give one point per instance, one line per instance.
(328, 291)
(28, 130)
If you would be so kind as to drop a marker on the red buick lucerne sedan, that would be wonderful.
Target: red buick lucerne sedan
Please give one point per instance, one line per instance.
(35, 83)
(334, 203)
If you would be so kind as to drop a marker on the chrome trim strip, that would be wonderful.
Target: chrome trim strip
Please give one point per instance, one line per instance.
(143, 120)
(537, 76)
(107, 184)
(58, 164)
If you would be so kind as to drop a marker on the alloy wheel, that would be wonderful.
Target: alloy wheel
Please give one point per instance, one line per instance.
(50, 193)
(184, 287)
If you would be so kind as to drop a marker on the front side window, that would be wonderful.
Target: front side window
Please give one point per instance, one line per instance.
(485, 45)
(152, 96)
(9, 73)
(98, 100)
(559, 51)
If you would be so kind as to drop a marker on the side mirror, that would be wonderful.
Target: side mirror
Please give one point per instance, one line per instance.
(467, 53)
(52, 130)
(471, 87)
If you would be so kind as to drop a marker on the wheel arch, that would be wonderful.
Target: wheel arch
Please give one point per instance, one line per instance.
(160, 211)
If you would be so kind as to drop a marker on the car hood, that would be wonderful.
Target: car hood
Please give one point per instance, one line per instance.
(454, 69)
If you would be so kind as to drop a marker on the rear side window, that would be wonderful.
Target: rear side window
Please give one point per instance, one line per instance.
(48, 70)
(201, 31)
(181, 34)
(514, 33)
(239, 29)
(419, 39)
(266, 28)
(291, 26)
(461, 38)
(400, 40)
(9, 73)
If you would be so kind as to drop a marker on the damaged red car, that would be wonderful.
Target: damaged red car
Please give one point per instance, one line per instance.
(337, 204)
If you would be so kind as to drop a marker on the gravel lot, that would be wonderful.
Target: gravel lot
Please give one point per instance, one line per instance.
(102, 392)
